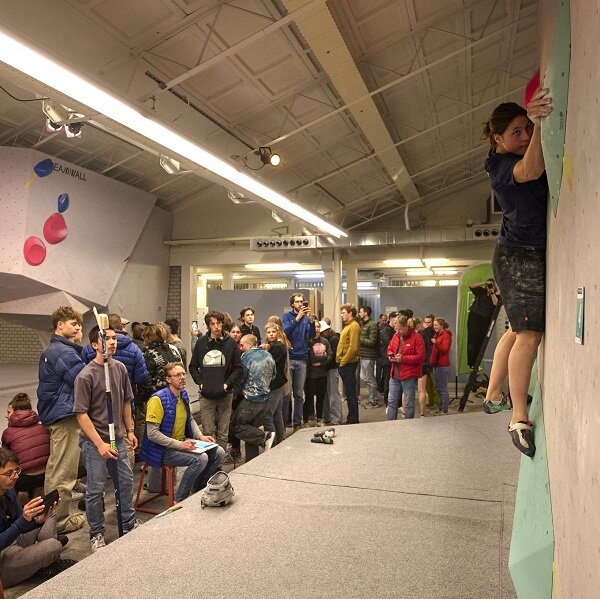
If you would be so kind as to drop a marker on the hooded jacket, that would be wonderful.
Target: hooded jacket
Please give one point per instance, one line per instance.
(214, 363)
(60, 363)
(127, 353)
(28, 439)
(412, 349)
(440, 354)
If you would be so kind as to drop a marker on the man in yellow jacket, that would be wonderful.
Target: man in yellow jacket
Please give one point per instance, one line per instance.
(347, 358)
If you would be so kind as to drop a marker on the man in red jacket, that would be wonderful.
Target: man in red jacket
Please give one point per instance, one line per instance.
(406, 353)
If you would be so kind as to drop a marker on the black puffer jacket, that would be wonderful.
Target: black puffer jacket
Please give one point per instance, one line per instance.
(157, 356)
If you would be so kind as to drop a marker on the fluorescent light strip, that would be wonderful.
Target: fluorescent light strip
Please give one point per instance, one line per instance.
(38, 66)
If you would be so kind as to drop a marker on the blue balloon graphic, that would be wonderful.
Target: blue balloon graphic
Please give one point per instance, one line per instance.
(63, 202)
(44, 168)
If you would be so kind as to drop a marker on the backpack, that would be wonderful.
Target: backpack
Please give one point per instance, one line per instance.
(218, 491)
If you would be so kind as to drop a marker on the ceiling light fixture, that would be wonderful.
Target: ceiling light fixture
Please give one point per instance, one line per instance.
(407, 263)
(268, 157)
(284, 266)
(37, 65)
(170, 165)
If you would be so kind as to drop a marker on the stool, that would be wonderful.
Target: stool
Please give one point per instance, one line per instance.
(166, 489)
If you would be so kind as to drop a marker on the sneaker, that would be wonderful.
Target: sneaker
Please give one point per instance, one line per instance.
(78, 491)
(232, 456)
(60, 565)
(269, 438)
(434, 412)
(75, 522)
(136, 523)
(371, 404)
(522, 437)
(97, 542)
(490, 407)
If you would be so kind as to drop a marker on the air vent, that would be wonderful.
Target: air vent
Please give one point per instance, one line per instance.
(483, 232)
(301, 242)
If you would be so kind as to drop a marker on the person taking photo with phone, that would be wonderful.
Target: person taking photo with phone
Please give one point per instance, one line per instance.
(28, 539)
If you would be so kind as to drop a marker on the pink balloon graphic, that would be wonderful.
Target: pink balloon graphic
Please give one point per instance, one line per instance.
(34, 251)
(55, 228)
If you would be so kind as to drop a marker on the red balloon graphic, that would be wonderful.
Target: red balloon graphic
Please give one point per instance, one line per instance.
(531, 88)
(55, 228)
(34, 251)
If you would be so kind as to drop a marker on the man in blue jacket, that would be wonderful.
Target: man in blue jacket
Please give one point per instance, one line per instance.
(299, 326)
(60, 363)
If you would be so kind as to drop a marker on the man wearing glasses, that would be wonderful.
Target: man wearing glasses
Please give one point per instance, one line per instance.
(171, 432)
(28, 540)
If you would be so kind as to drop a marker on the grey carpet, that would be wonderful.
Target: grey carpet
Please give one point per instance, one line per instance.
(419, 509)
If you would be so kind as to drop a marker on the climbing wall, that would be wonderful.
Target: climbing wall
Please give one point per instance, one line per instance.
(67, 233)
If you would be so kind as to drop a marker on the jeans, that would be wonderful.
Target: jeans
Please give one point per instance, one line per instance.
(432, 394)
(215, 415)
(367, 374)
(314, 388)
(332, 406)
(29, 552)
(96, 467)
(246, 420)
(408, 387)
(275, 416)
(200, 467)
(440, 376)
(298, 374)
(348, 376)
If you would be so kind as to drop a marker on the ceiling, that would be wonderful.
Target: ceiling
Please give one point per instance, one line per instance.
(374, 105)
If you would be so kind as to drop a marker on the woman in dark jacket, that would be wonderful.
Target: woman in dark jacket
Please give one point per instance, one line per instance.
(276, 346)
(157, 354)
(29, 440)
(315, 386)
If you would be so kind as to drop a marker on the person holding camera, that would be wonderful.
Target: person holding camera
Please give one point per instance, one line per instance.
(480, 314)
(299, 326)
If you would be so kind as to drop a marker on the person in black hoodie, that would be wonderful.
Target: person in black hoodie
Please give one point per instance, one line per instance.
(216, 367)
(315, 386)
(386, 333)
(247, 323)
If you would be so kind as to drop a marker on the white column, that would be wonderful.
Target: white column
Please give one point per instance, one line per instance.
(332, 287)
(227, 283)
(351, 291)
(188, 304)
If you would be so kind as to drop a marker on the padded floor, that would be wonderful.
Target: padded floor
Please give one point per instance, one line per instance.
(419, 509)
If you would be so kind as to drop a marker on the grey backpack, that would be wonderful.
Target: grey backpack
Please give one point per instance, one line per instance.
(218, 491)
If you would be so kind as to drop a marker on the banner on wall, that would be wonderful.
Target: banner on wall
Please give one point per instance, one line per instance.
(476, 274)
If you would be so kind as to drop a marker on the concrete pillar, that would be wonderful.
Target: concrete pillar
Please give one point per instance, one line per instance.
(189, 283)
(227, 283)
(351, 290)
(332, 287)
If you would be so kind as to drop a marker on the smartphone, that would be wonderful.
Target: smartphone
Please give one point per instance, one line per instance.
(50, 500)
(195, 325)
(305, 304)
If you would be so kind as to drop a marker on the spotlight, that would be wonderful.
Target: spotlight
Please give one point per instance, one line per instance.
(74, 129)
(268, 157)
(57, 114)
(170, 165)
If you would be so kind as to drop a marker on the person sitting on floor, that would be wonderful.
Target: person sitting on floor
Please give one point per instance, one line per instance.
(170, 434)
(29, 440)
(28, 541)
